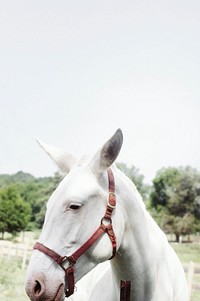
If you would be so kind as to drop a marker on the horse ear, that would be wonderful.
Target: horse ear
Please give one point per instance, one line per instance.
(63, 160)
(108, 153)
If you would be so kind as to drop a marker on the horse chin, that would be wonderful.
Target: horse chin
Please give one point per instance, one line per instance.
(60, 296)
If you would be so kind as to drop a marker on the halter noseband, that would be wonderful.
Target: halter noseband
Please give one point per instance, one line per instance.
(105, 227)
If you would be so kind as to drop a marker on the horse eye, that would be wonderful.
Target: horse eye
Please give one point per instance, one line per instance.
(74, 207)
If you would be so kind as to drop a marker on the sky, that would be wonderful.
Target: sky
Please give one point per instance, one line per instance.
(72, 72)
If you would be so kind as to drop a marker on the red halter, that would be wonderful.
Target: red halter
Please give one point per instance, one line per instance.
(105, 227)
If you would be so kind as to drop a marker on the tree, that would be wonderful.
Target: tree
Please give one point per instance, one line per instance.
(185, 195)
(162, 185)
(19, 177)
(184, 225)
(33, 191)
(14, 212)
(36, 193)
(176, 196)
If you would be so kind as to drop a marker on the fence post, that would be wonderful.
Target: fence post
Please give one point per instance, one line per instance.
(125, 290)
(16, 250)
(24, 257)
(9, 250)
(190, 278)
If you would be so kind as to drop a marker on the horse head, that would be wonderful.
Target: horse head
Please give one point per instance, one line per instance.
(74, 213)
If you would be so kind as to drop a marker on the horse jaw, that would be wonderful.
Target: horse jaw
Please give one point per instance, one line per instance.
(63, 160)
(108, 153)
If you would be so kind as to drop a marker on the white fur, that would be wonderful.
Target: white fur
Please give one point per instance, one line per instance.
(143, 254)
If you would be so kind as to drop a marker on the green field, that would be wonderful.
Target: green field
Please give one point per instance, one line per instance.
(12, 280)
(188, 252)
(12, 276)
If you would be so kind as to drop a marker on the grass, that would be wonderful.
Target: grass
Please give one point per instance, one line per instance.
(12, 276)
(12, 281)
(190, 252)
(187, 252)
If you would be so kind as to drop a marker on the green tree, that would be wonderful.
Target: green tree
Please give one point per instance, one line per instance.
(162, 185)
(36, 193)
(175, 196)
(14, 212)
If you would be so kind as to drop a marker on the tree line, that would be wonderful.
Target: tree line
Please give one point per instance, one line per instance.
(23, 201)
(173, 199)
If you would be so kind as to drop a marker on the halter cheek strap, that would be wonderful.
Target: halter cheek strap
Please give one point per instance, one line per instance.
(105, 227)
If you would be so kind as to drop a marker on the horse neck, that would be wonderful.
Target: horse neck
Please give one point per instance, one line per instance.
(136, 253)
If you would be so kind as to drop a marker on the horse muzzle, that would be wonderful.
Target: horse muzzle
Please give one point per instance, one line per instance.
(38, 290)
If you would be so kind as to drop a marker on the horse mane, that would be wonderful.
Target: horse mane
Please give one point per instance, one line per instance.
(131, 186)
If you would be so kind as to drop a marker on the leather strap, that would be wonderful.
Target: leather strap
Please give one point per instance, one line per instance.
(55, 256)
(69, 281)
(95, 236)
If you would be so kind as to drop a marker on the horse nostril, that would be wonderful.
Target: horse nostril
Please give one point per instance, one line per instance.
(37, 288)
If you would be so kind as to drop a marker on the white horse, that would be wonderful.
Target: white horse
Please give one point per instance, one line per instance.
(76, 210)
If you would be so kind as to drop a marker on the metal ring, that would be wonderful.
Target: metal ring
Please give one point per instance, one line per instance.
(107, 220)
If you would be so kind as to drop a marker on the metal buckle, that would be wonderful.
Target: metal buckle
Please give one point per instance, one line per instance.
(64, 258)
(110, 205)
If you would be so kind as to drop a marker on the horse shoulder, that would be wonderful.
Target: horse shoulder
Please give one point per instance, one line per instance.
(170, 278)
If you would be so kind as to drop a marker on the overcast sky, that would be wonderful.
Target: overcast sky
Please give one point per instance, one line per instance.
(72, 72)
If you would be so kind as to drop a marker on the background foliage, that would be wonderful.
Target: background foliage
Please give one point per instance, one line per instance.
(23, 201)
(173, 199)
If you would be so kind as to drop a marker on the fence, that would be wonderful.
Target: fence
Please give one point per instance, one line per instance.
(10, 250)
(191, 271)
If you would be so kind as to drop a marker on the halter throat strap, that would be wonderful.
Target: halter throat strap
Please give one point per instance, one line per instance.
(105, 227)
